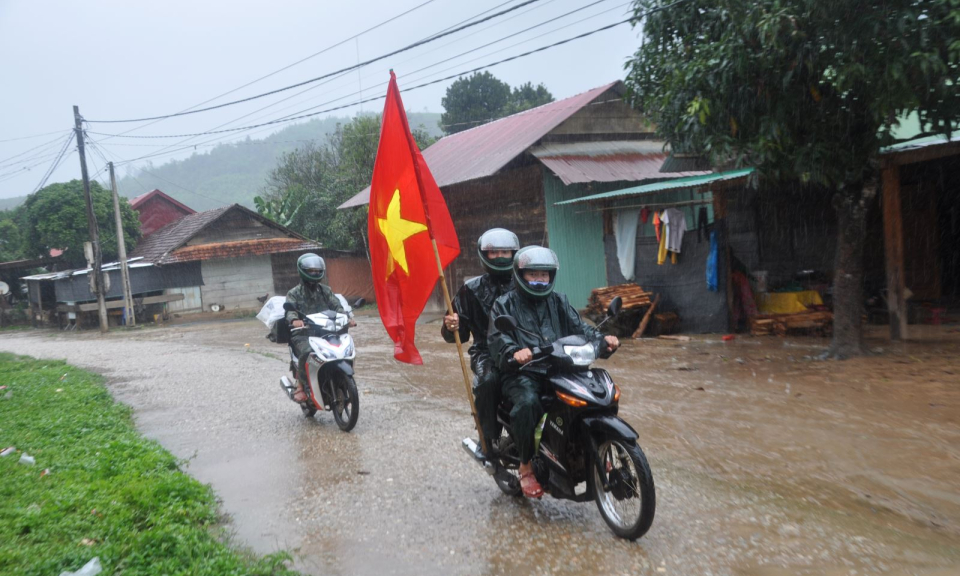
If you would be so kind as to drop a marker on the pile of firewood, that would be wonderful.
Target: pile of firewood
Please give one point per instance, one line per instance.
(781, 324)
(633, 297)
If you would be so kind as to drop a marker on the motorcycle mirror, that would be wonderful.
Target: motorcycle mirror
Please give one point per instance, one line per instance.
(289, 307)
(615, 305)
(505, 323)
(360, 302)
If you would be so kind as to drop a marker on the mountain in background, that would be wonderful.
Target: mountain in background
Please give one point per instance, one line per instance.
(228, 173)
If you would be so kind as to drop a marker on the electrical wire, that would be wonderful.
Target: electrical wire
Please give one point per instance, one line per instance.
(33, 136)
(387, 21)
(329, 74)
(54, 166)
(45, 144)
(371, 99)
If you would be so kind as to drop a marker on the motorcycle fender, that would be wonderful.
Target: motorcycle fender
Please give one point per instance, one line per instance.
(610, 427)
(344, 367)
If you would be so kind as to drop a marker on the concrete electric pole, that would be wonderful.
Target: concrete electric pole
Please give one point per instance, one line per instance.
(92, 223)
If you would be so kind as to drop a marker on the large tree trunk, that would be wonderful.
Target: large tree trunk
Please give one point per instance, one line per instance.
(851, 205)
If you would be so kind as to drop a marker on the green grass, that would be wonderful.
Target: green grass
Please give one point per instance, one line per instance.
(109, 493)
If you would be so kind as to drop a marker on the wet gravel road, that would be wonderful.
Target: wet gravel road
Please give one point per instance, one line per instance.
(765, 462)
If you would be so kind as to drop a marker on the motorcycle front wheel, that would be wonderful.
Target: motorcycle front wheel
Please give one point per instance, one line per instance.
(346, 401)
(629, 503)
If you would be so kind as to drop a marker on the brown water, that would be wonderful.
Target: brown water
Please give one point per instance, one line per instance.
(765, 461)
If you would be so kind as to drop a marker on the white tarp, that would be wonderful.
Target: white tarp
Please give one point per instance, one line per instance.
(625, 231)
(272, 311)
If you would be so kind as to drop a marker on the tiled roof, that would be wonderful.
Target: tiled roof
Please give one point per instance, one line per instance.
(155, 246)
(484, 150)
(257, 247)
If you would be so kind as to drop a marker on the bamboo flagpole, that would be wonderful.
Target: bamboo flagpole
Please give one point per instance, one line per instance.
(443, 279)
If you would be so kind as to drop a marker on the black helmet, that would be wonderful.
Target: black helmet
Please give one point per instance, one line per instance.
(497, 239)
(535, 258)
(311, 268)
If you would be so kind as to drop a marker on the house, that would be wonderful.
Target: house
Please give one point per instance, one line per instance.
(511, 173)
(156, 210)
(226, 259)
(786, 234)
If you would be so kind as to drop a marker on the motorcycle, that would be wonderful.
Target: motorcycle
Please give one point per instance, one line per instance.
(583, 450)
(330, 384)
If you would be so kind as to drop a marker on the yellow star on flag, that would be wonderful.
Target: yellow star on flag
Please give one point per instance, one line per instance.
(396, 230)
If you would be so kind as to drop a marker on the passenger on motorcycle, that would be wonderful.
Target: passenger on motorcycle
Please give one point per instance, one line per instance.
(312, 297)
(546, 316)
(472, 304)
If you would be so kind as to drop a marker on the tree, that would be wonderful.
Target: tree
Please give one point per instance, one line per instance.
(303, 191)
(56, 217)
(802, 90)
(482, 97)
(9, 237)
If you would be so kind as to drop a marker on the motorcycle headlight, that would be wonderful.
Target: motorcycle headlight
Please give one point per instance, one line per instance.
(582, 355)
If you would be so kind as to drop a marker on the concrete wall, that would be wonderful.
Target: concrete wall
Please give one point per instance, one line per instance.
(235, 283)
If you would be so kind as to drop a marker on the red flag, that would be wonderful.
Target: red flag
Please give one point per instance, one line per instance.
(407, 213)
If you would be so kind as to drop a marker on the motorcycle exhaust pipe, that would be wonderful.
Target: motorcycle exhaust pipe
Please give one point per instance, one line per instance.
(287, 386)
(476, 454)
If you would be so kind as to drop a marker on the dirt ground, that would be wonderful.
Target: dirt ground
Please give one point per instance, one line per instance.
(766, 461)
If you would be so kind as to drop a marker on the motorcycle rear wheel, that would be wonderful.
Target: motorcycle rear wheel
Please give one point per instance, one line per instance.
(346, 402)
(630, 504)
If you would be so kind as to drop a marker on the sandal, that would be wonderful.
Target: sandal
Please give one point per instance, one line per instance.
(531, 488)
(300, 395)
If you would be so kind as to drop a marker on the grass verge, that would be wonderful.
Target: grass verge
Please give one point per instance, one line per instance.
(109, 492)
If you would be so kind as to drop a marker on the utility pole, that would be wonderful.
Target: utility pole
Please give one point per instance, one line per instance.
(91, 222)
(128, 316)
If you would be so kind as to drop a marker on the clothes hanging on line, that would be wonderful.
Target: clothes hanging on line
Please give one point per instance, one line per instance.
(676, 226)
(645, 214)
(625, 233)
(662, 251)
(702, 225)
(713, 256)
(656, 224)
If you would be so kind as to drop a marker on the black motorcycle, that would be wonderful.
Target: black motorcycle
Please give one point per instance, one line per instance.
(583, 450)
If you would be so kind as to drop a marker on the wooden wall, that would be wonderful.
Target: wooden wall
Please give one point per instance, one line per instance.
(234, 226)
(347, 274)
(512, 199)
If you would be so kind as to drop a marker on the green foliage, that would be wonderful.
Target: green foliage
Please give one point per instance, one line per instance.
(110, 492)
(482, 97)
(9, 237)
(56, 217)
(310, 182)
(801, 89)
(236, 171)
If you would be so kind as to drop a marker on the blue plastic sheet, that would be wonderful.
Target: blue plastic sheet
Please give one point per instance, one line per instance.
(712, 282)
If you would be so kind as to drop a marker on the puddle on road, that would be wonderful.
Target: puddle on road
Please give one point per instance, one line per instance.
(765, 461)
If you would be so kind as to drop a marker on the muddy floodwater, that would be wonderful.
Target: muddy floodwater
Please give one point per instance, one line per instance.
(766, 462)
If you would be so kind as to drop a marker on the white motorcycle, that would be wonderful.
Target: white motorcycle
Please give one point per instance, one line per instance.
(330, 385)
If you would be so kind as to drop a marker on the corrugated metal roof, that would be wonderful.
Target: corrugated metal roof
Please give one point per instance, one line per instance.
(920, 143)
(141, 199)
(131, 263)
(678, 183)
(630, 160)
(484, 150)
(236, 249)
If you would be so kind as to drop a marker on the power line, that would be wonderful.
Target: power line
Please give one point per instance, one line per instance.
(33, 136)
(329, 74)
(387, 21)
(55, 165)
(371, 99)
(55, 140)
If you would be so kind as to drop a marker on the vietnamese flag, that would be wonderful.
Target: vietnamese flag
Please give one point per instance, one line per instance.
(407, 214)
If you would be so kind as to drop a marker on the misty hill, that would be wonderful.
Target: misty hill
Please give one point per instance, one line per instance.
(235, 172)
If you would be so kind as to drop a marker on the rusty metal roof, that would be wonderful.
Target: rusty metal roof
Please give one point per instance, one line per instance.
(610, 161)
(236, 249)
(137, 202)
(482, 151)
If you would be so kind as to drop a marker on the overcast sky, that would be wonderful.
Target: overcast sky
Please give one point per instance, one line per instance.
(122, 59)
